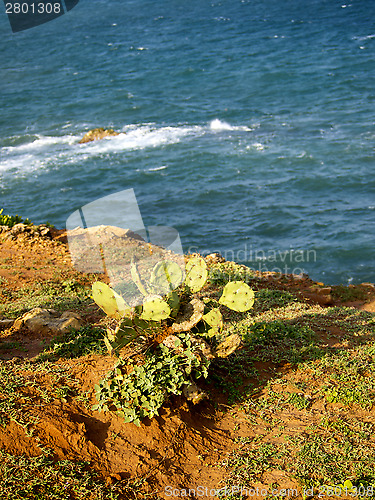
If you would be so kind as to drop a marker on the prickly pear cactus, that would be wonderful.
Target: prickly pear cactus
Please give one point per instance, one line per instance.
(155, 308)
(137, 279)
(176, 357)
(108, 300)
(129, 330)
(121, 336)
(196, 273)
(165, 277)
(214, 319)
(174, 303)
(238, 296)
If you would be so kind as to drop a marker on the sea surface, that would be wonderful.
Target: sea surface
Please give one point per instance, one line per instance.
(247, 125)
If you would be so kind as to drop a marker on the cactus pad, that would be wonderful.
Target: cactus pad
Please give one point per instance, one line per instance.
(125, 330)
(155, 308)
(214, 319)
(136, 278)
(108, 300)
(196, 273)
(165, 277)
(238, 296)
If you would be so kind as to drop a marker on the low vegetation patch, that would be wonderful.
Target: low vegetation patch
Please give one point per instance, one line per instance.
(12, 220)
(43, 477)
(75, 343)
(54, 294)
(346, 294)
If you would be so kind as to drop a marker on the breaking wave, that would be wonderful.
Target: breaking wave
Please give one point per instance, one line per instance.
(41, 151)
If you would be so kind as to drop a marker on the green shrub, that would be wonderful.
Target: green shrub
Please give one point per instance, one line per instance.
(346, 294)
(12, 220)
(138, 391)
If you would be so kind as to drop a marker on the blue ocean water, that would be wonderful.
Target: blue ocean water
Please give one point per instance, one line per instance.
(247, 125)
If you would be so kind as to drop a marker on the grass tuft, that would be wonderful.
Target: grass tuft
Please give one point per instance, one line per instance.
(75, 343)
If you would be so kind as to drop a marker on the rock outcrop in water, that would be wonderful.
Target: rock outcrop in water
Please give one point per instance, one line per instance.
(96, 134)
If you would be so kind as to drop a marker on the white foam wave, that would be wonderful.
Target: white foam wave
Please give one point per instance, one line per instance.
(36, 154)
(156, 169)
(24, 163)
(218, 126)
(145, 136)
(42, 142)
(256, 145)
(367, 37)
(44, 151)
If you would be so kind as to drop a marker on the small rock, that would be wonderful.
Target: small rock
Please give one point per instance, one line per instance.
(48, 321)
(214, 258)
(300, 277)
(324, 291)
(97, 134)
(271, 274)
(44, 230)
(68, 320)
(326, 300)
(19, 228)
(112, 478)
(128, 233)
